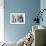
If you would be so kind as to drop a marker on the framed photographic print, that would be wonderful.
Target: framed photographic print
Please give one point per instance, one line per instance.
(17, 18)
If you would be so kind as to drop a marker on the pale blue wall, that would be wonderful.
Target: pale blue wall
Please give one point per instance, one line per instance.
(43, 6)
(29, 7)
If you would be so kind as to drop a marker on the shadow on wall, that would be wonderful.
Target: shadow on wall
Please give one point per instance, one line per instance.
(15, 32)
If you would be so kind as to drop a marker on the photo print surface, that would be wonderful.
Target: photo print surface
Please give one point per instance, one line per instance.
(17, 18)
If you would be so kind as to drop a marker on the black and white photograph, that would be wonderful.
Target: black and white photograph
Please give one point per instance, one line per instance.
(17, 18)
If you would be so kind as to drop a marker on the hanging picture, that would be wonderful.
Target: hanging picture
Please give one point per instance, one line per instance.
(17, 18)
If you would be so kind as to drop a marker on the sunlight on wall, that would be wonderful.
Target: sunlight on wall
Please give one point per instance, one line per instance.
(1, 21)
(1, 26)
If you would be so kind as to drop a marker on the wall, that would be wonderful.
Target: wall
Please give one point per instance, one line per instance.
(1, 21)
(43, 6)
(29, 7)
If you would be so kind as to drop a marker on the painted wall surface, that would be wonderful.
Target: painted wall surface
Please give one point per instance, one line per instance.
(29, 7)
(43, 6)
